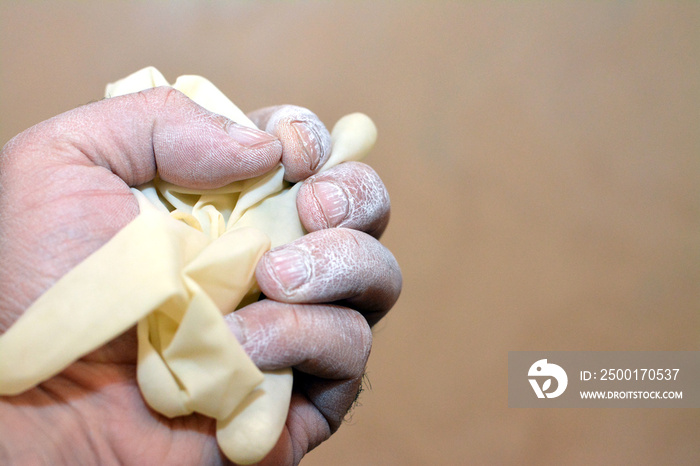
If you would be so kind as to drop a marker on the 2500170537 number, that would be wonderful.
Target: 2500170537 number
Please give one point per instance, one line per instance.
(639, 374)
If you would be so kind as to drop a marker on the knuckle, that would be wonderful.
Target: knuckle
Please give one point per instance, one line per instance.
(364, 341)
(282, 116)
(288, 113)
(163, 98)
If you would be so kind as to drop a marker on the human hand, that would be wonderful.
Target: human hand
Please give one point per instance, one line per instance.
(65, 192)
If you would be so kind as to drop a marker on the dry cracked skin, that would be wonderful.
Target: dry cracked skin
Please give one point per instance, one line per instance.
(197, 250)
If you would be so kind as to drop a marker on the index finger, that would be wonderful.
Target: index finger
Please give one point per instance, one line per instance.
(306, 143)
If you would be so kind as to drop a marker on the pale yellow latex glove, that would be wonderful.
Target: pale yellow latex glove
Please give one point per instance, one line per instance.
(176, 279)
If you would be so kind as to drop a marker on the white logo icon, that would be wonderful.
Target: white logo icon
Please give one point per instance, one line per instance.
(543, 369)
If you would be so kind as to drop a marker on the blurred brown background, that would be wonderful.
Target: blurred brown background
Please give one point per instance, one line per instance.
(543, 160)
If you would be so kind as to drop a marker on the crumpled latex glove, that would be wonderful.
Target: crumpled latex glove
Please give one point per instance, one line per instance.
(187, 259)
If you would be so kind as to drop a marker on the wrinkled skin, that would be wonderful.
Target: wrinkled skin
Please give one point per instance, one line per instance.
(64, 192)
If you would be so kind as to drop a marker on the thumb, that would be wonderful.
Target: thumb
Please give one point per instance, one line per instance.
(64, 183)
(159, 129)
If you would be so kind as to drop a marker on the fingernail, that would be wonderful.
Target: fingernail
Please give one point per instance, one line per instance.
(290, 267)
(249, 137)
(309, 140)
(333, 202)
